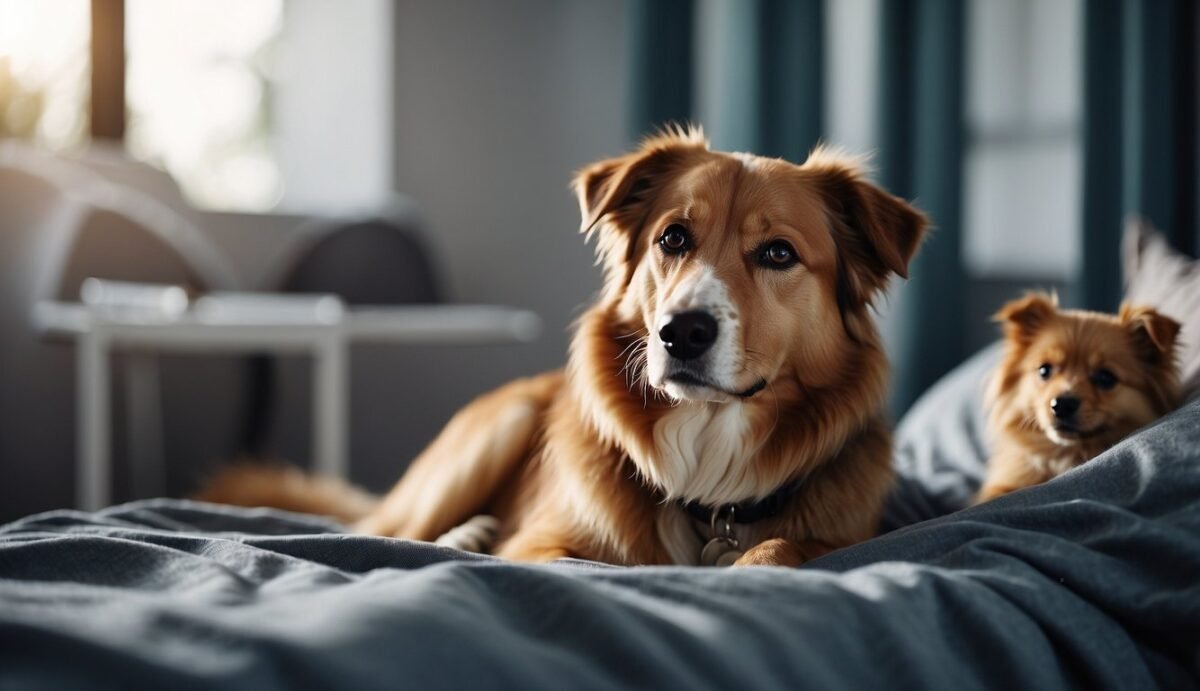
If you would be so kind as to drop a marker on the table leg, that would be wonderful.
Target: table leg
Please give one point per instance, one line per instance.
(144, 421)
(94, 472)
(329, 407)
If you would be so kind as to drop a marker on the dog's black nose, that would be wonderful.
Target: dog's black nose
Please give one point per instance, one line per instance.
(1064, 407)
(688, 335)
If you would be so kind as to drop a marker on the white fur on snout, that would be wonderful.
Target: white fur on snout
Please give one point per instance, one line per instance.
(702, 291)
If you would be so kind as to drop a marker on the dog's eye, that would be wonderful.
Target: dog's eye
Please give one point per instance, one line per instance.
(675, 239)
(1104, 379)
(1045, 371)
(777, 255)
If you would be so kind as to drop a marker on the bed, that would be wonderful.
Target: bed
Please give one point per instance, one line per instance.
(1092, 580)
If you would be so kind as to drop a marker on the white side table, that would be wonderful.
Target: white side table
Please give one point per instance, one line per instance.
(98, 333)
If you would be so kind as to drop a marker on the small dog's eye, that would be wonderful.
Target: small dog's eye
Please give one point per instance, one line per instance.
(1104, 379)
(1045, 371)
(675, 239)
(777, 255)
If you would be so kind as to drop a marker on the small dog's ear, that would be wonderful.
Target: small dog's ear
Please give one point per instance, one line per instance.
(878, 233)
(612, 193)
(1024, 317)
(1154, 334)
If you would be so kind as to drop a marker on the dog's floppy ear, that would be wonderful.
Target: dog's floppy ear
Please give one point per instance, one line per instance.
(612, 193)
(1154, 334)
(1024, 317)
(877, 233)
(612, 185)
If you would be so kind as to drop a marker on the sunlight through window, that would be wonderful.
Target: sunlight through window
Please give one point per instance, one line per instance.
(44, 71)
(198, 94)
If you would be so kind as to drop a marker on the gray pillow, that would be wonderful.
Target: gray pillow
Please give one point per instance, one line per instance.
(1158, 276)
(940, 445)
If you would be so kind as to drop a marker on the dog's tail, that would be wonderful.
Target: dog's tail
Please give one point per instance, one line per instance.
(279, 486)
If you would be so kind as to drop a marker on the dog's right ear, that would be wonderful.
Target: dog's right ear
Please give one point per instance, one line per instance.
(612, 193)
(1024, 317)
(608, 186)
(1153, 333)
(877, 233)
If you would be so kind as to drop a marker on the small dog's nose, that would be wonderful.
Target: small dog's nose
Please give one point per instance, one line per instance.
(688, 335)
(1064, 407)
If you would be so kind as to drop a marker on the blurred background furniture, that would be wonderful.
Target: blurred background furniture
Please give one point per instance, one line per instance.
(67, 218)
(62, 223)
(223, 324)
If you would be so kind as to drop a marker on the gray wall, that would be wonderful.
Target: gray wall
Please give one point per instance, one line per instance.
(496, 103)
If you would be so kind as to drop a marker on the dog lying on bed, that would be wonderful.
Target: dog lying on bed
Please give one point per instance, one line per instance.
(1072, 384)
(723, 397)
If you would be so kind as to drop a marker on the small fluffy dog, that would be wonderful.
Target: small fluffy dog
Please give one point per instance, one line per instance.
(723, 398)
(1072, 384)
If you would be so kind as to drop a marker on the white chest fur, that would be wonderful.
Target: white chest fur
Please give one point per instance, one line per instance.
(702, 453)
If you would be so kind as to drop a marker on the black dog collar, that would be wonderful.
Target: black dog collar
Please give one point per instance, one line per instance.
(746, 511)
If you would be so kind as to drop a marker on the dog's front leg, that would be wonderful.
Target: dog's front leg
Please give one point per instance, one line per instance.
(781, 552)
(536, 547)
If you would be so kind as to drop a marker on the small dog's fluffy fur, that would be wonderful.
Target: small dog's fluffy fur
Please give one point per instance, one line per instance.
(1071, 385)
(778, 383)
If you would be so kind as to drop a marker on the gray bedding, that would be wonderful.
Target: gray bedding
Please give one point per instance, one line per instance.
(1091, 581)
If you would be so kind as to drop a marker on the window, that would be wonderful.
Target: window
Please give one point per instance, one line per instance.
(198, 96)
(44, 71)
(1023, 158)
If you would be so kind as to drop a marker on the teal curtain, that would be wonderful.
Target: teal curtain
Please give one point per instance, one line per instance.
(1139, 132)
(921, 157)
(774, 80)
(1099, 286)
(659, 43)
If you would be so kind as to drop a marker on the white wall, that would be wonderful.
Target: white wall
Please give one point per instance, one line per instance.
(332, 109)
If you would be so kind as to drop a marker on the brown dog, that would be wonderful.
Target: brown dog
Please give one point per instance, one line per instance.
(1071, 385)
(725, 392)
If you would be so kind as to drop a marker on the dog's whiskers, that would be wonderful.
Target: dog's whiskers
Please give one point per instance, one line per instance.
(642, 331)
(634, 368)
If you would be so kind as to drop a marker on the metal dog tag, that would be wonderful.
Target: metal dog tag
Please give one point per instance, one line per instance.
(719, 551)
(723, 548)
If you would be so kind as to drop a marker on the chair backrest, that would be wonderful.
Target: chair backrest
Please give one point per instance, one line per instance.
(110, 245)
(374, 260)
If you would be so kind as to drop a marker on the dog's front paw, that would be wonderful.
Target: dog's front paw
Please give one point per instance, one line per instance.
(780, 552)
(475, 535)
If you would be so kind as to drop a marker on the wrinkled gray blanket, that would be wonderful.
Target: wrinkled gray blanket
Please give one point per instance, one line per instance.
(1092, 581)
